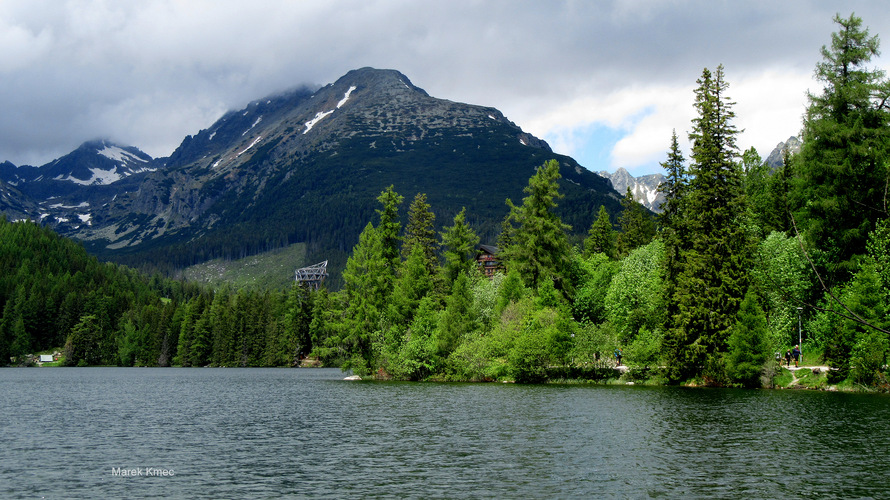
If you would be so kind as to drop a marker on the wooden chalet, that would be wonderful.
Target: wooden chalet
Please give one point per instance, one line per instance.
(487, 259)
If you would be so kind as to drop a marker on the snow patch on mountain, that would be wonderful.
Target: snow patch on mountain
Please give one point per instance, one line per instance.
(252, 144)
(81, 205)
(118, 154)
(257, 122)
(318, 116)
(346, 97)
(100, 177)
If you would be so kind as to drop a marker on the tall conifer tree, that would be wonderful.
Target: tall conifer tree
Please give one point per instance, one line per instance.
(601, 237)
(539, 248)
(420, 231)
(713, 263)
(459, 242)
(841, 188)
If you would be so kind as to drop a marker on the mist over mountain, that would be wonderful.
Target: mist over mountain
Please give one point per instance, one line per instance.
(300, 167)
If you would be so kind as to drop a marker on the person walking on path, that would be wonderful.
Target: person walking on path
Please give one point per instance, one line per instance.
(618, 357)
(787, 358)
(796, 355)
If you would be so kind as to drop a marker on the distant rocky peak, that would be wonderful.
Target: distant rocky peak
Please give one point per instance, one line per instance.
(776, 157)
(644, 188)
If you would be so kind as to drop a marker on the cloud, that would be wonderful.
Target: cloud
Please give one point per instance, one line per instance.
(147, 73)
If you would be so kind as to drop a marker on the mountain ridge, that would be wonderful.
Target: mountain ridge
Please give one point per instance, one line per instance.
(307, 166)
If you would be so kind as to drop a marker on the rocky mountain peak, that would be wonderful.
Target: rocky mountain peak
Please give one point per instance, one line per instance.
(775, 158)
(644, 188)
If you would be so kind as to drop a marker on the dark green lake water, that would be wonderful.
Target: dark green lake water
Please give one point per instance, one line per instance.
(273, 433)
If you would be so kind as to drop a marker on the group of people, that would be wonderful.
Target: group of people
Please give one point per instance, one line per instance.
(789, 355)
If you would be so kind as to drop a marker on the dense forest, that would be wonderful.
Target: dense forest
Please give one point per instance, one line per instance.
(743, 261)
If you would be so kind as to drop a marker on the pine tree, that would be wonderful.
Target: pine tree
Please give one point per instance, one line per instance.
(413, 284)
(841, 188)
(459, 242)
(713, 269)
(367, 286)
(389, 226)
(457, 320)
(420, 231)
(674, 185)
(748, 344)
(601, 237)
(539, 248)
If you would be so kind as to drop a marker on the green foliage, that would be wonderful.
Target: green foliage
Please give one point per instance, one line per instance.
(512, 290)
(420, 232)
(634, 298)
(709, 262)
(486, 295)
(601, 237)
(590, 297)
(645, 349)
(545, 341)
(749, 347)
(84, 343)
(539, 247)
(637, 226)
(459, 242)
(389, 226)
(594, 344)
(417, 357)
(367, 281)
(866, 312)
(458, 319)
(782, 277)
(415, 281)
(840, 187)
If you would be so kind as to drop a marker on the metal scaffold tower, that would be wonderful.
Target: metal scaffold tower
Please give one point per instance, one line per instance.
(313, 275)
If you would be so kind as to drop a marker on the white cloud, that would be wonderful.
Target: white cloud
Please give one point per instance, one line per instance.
(769, 106)
(147, 73)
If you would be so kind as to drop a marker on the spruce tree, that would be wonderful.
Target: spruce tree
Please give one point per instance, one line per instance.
(367, 285)
(748, 344)
(674, 185)
(713, 266)
(601, 237)
(389, 226)
(420, 231)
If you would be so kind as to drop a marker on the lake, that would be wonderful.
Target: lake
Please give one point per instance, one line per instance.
(297, 433)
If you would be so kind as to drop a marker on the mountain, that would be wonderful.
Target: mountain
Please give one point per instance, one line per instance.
(644, 188)
(776, 156)
(64, 192)
(307, 166)
(13, 204)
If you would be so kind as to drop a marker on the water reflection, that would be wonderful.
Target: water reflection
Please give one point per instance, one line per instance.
(307, 433)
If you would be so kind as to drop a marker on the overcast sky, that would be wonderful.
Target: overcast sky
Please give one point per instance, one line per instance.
(604, 82)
